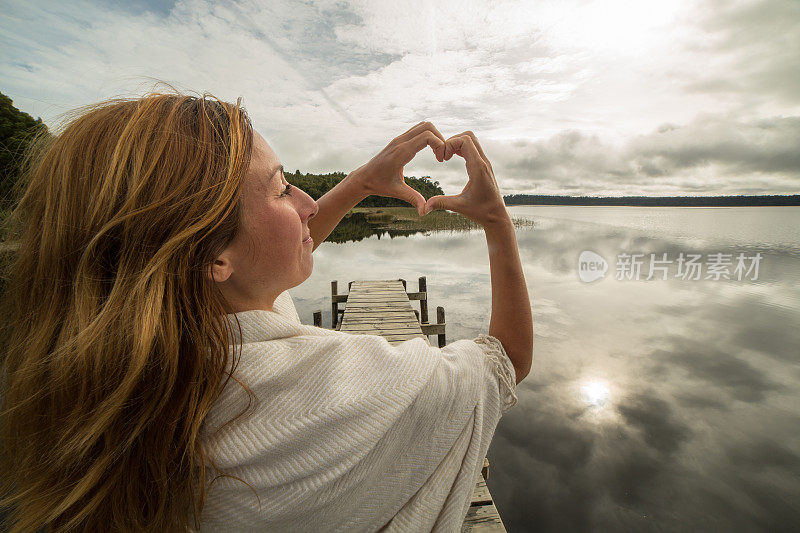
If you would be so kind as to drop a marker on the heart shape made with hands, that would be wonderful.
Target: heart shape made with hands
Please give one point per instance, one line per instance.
(385, 170)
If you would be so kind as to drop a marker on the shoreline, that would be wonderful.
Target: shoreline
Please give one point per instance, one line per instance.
(656, 201)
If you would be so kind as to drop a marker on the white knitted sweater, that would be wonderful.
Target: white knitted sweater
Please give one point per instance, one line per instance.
(350, 433)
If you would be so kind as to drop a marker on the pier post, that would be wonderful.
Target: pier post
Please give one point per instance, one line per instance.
(423, 303)
(318, 318)
(440, 320)
(334, 303)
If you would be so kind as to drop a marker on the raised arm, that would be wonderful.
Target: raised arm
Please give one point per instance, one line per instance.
(381, 176)
(511, 321)
(334, 205)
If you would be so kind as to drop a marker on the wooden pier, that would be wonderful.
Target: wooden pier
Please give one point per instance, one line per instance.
(383, 307)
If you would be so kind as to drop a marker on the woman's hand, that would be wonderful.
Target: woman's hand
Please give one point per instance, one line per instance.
(480, 201)
(383, 174)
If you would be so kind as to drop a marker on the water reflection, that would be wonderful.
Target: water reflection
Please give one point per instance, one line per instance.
(403, 222)
(356, 227)
(665, 405)
(595, 393)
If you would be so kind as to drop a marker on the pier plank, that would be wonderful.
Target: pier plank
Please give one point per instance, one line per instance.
(481, 496)
(361, 312)
(482, 519)
(369, 329)
(381, 308)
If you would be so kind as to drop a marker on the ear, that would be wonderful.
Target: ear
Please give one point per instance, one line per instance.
(221, 269)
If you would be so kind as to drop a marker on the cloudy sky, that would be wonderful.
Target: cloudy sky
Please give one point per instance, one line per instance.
(567, 97)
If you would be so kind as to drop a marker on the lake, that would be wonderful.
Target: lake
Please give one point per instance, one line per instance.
(652, 405)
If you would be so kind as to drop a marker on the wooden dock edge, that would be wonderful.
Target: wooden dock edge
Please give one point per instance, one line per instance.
(482, 515)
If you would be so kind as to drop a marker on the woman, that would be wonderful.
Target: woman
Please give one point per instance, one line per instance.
(156, 375)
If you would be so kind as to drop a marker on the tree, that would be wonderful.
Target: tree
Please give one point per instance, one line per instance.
(315, 185)
(17, 130)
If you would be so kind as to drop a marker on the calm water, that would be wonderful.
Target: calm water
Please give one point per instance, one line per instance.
(660, 405)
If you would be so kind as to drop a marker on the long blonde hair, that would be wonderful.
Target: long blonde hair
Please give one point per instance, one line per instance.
(114, 340)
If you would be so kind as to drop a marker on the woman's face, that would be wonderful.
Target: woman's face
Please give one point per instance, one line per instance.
(269, 255)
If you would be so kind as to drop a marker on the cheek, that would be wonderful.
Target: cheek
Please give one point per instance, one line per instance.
(275, 237)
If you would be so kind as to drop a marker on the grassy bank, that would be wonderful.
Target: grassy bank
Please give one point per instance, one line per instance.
(406, 218)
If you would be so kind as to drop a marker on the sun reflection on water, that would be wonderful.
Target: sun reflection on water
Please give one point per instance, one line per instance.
(596, 393)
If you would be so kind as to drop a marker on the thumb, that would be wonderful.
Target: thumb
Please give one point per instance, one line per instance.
(438, 202)
(413, 197)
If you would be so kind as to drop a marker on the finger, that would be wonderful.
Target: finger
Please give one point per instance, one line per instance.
(412, 196)
(416, 130)
(440, 202)
(409, 130)
(418, 201)
(477, 145)
(448, 150)
(464, 147)
(417, 143)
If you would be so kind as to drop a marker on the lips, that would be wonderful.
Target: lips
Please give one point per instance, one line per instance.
(307, 239)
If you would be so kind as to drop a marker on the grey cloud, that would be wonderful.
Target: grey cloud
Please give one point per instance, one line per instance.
(699, 401)
(564, 460)
(766, 145)
(671, 156)
(629, 473)
(138, 7)
(764, 453)
(723, 369)
(772, 509)
(760, 42)
(769, 332)
(638, 459)
(653, 416)
(565, 444)
(565, 153)
(304, 34)
(760, 325)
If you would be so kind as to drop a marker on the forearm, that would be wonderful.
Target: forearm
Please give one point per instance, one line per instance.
(511, 322)
(333, 206)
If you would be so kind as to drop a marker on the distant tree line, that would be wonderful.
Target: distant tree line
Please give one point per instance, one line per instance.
(318, 184)
(665, 201)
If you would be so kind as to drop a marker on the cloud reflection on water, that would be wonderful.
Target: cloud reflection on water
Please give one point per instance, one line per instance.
(692, 421)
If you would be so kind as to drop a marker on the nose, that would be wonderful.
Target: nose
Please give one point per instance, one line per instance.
(309, 207)
(314, 210)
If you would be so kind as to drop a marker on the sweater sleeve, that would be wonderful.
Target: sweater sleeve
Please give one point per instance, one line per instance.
(502, 367)
(473, 383)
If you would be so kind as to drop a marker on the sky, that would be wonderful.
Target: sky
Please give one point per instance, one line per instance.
(601, 98)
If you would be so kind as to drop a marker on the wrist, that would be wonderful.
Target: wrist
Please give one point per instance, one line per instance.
(499, 219)
(501, 238)
(356, 183)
